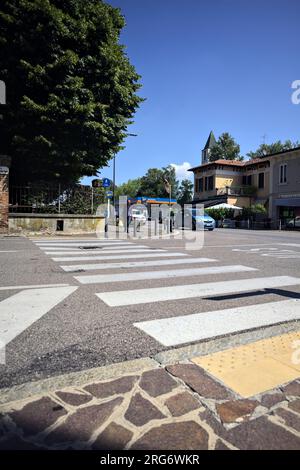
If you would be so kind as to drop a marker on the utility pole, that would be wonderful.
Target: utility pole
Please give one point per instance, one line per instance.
(114, 179)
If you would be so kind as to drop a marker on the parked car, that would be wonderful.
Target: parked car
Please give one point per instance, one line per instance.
(140, 214)
(294, 223)
(195, 219)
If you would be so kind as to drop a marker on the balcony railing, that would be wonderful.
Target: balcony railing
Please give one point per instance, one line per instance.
(237, 191)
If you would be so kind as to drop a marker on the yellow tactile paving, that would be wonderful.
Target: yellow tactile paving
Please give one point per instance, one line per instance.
(256, 367)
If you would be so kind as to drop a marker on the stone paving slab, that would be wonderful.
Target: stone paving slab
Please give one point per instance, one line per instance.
(177, 407)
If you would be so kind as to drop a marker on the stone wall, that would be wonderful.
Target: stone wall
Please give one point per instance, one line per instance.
(55, 223)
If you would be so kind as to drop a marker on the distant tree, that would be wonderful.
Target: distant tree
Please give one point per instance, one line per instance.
(275, 147)
(185, 193)
(130, 188)
(153, 184)
(169, 175)
(225, 149)
(71, 90)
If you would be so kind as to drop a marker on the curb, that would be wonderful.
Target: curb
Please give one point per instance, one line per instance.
(221, 343)
(75, 379)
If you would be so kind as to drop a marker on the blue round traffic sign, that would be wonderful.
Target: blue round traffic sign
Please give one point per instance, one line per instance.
(106, 182)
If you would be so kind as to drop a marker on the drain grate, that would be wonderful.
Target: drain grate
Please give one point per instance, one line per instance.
(90, 247)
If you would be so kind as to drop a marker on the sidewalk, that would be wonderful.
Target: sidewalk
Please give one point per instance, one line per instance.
(143, 405)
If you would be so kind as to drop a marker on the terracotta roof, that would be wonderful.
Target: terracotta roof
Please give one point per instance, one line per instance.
(244, 163)
(220, 162)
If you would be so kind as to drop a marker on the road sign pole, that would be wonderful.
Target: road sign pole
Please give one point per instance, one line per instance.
(114, 179)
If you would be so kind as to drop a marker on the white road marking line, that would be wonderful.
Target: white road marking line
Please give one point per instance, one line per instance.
(76, 240)
(84, 247)
(37, 286)
(291, 244)
(147, 275)
(235, 245)
(21, 310)
(129, 251)
(109, 249)
(200, 326)
(128, 256)
(71, 240)
(74, 245)
(9, 251)
(137, 264)
(159, 294)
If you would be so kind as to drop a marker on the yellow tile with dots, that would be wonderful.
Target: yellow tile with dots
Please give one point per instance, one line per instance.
(256, 367)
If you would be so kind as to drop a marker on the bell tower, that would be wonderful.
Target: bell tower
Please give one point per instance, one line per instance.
(211, 141)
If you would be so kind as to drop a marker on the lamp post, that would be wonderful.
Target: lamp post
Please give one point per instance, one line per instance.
(114, 179)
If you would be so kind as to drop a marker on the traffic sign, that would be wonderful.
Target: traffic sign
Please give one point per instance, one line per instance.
(109, 194)
(106, 183)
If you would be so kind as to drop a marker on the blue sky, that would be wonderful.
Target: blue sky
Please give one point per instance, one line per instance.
(221, 65)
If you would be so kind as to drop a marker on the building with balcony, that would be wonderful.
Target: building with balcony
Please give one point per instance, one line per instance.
(273, 181)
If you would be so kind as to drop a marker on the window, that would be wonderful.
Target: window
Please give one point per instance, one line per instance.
(261, 180)
(282, 174)
(249, 180)
(209, 183)
(244, 179)
(199, 185)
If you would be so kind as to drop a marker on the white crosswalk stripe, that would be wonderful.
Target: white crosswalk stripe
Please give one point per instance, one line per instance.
(97, 247)
(110, 256)
(153, 254)
(131, 249)
(86, 245)
(21, 310)
(136, 276)
(74, 240)
(136, 264)
(128, 250)
(200, 326)
(159, 294)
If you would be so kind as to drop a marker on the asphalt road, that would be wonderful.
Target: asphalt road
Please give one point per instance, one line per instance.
(64, 329)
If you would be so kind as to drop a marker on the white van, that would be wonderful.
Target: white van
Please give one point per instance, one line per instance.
(139, 213)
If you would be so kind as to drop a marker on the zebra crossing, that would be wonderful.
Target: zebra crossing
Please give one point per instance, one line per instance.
(107, 256)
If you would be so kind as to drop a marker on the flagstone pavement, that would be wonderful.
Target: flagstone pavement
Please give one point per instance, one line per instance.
(178, 406)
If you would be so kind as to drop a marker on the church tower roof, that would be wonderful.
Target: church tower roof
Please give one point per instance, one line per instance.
(211, 141)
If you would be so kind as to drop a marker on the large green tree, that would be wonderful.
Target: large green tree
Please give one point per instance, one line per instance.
(268, 149)
(71, 90)
(225, 149)
(155, 182)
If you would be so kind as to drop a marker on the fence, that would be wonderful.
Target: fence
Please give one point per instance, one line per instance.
(43, 199)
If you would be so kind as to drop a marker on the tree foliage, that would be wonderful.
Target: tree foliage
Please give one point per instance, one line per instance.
(130, 188)
(220, 213)
(185, 192)
(225, 149)
(153, 184)
(71, 90)
(275, 147)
